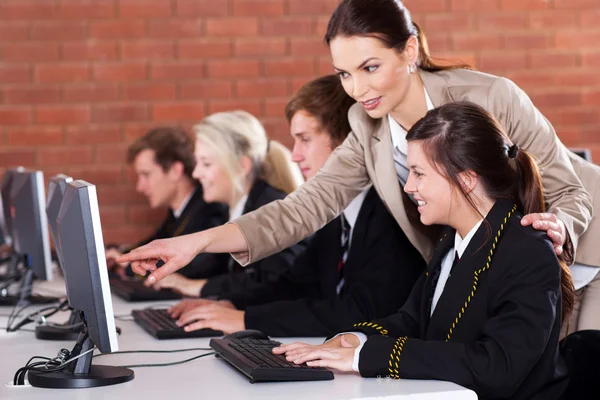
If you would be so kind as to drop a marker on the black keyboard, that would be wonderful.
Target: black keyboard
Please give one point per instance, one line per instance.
(133, 290)
(254, 358)
(160, 325)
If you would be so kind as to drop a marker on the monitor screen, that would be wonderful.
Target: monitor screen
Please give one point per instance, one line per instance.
(84, 262)
(5, 218)
(30, 224)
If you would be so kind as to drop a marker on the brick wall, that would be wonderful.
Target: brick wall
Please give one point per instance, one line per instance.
(79, 79)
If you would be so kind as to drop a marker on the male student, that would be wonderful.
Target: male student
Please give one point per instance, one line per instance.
(359, 265)
(163, 160)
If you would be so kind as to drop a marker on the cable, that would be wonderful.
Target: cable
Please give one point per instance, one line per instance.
(19, 378)
(20, 329)
(154, 351)
(169, 364)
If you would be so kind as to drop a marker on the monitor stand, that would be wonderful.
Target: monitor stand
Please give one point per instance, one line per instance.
(24, 297)
(80, 373)
(70, 330)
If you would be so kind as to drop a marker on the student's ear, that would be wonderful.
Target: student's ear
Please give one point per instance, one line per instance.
(468, 180)
(245, 166)
(176, 170)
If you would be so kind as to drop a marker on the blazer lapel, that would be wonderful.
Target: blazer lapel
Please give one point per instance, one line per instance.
(468, 274)
(436, 87)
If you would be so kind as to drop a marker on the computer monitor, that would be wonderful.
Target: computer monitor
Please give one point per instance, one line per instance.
(57, 185)
(5, 201)
(86, 276)
(586, 154)
(31, 243)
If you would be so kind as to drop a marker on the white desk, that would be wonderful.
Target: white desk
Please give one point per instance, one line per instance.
(210, 377)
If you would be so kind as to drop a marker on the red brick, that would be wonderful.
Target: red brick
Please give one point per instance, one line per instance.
(524, 5)
(117, 29)
(312, 7)
(251, 106)
(286, 26)
(35, 136)
(527, 41)
(576, 4)
(128, 235)
(144, 50)
(32, 95)
(204, 48)
(258, 8)
(580, 78)
(14, 31)
(90, 93)
(51, 73)
(177, 70)
(89, 51)
(176, 28)
(429, 6)
(297, 83)
(592, 98)
(456, 58)
(144, 8)
(233, 69)
(559, 98)
(15, 115)
(278, 128)
(501, 21)
(119, 194)
(135, 130)
(119, 113)
(470, 42)
(552, 60)
(86, 9)
(438, 42)
(591, 18)
(532, 78)
(262, 88)
(591, 59)
(324, 67)
(149, 91)
(13, 157)
(289, 67)
(139, 215)
(98, 175)
(72, 155)
(577, 117)
(579, 39)
(111, 154)
(201, 8)
(116, 72)
(15, 73)
(94, 134)
(233, 26)
(319, 26)
(260, 47)
(553, 20)
(59, 31)
(175, 111)
(446, 23)
(56, 115)
(473, 5)
(29, 52)
(112, 216)
(275, 107)
(206, 90)
(22, 10)
(308, 47)
(591, 136)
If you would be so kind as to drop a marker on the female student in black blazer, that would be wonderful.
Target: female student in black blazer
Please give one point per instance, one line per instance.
(237, 165)
(487, 312)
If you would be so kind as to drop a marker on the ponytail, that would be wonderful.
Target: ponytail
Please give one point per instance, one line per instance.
(425, 61)
(531, 197)
(279, 170)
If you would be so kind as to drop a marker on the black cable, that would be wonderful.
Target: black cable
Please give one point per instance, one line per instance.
(154, 351)
(169, 364)
(19, 330)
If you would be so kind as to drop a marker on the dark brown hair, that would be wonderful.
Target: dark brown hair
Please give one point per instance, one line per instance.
(386, 20)
(325, 99)
(169, 144)
(462, 136)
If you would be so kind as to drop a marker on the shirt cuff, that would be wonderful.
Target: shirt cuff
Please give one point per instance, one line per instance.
(362, 338)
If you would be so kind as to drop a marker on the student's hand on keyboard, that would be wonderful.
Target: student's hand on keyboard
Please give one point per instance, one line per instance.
(117, 268)
(336, 354)
(186, 305)
(180, 284)
(214, 316)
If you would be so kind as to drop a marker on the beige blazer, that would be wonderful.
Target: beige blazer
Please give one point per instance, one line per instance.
(366, 158)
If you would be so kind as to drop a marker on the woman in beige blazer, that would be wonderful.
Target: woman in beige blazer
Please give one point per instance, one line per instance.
(383, 62)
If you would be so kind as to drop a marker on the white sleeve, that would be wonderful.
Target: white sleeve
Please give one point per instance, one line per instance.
(362, 338)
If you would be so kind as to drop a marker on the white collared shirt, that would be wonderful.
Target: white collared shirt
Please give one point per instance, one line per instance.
(460, 245)
(238, 210)
(177, 213)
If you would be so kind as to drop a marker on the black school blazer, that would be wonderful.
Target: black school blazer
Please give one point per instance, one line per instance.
(496, 326)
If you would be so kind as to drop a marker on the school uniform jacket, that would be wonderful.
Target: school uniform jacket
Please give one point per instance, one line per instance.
(379, 273)
(571, 185)
(197, 216)
(240, 279)
(496, 326)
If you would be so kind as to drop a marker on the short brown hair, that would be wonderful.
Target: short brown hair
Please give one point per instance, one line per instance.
(325, 99)
(169, 144)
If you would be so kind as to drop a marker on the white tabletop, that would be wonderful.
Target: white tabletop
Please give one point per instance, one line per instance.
(208, 376)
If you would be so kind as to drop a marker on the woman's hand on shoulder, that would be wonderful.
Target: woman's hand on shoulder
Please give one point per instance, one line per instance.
(552, 225)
